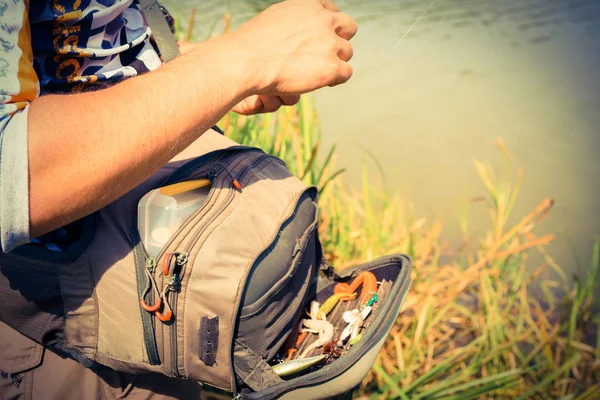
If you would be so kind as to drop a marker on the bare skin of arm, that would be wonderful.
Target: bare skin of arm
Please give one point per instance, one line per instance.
(118, 137)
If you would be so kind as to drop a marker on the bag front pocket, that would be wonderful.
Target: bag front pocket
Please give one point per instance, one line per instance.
(161, 278)
(158, 297)
(280, 262)
(156, 300)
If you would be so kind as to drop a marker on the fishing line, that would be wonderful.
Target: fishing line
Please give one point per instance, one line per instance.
(408, 31)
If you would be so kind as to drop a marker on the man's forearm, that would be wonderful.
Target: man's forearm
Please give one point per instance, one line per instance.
(86, 150)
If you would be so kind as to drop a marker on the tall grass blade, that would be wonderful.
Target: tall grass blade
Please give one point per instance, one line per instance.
(549, 379)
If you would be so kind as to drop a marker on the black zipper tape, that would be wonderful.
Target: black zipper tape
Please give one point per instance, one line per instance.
(139, 255)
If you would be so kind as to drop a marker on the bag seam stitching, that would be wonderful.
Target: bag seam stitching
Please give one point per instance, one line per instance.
(24, 270)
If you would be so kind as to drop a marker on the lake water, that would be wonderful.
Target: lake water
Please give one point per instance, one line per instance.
(469, 71)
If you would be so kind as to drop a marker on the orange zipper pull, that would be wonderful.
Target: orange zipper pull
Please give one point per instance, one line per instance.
(166, 264)
(167, 313)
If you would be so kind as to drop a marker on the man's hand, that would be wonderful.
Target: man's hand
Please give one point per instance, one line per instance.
(298, 46)
(255, 104)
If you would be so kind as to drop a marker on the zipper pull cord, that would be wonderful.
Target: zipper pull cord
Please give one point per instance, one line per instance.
(167, 263)
(150, 284)
(234, 181)
(167, 313)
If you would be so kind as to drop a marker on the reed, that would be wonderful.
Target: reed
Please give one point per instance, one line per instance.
(471, 327)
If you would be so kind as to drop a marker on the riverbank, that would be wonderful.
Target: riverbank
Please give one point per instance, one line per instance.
(471, 325)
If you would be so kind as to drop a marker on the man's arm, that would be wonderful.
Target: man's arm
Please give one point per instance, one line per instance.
(88, 149)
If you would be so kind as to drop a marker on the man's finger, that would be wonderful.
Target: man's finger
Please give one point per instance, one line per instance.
(270, 104)
(346, 26)
(330, 5)
(249, 105)
(344, 74)
(345, 51)
(289, 100)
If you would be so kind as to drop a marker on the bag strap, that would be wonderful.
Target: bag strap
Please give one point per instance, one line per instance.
(163, 36)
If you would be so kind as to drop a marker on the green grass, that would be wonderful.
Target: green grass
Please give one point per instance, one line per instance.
(469, 328)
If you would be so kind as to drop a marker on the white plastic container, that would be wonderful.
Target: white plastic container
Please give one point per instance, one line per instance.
(162, 211)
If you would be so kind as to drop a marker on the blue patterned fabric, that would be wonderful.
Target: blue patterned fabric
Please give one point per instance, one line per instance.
(57, 46)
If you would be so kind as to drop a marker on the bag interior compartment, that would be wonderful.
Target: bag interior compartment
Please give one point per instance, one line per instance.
(385, 276)
(336, 318)
(386, 273)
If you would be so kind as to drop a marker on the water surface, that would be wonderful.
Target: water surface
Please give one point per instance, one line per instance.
(469, 71)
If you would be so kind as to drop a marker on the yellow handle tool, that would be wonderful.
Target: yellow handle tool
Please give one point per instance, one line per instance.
(182, 187)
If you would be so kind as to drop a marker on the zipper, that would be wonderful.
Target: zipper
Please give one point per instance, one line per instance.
(177, 275)
(181, 173)
(211, 174)
(142, 262)
(235, 181)
(335, 369)
(182, 257)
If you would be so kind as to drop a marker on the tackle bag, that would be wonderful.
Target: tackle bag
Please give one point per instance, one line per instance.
(220, 300)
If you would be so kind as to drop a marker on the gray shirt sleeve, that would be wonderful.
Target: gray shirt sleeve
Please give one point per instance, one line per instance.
(19, 86)
(14, 181)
